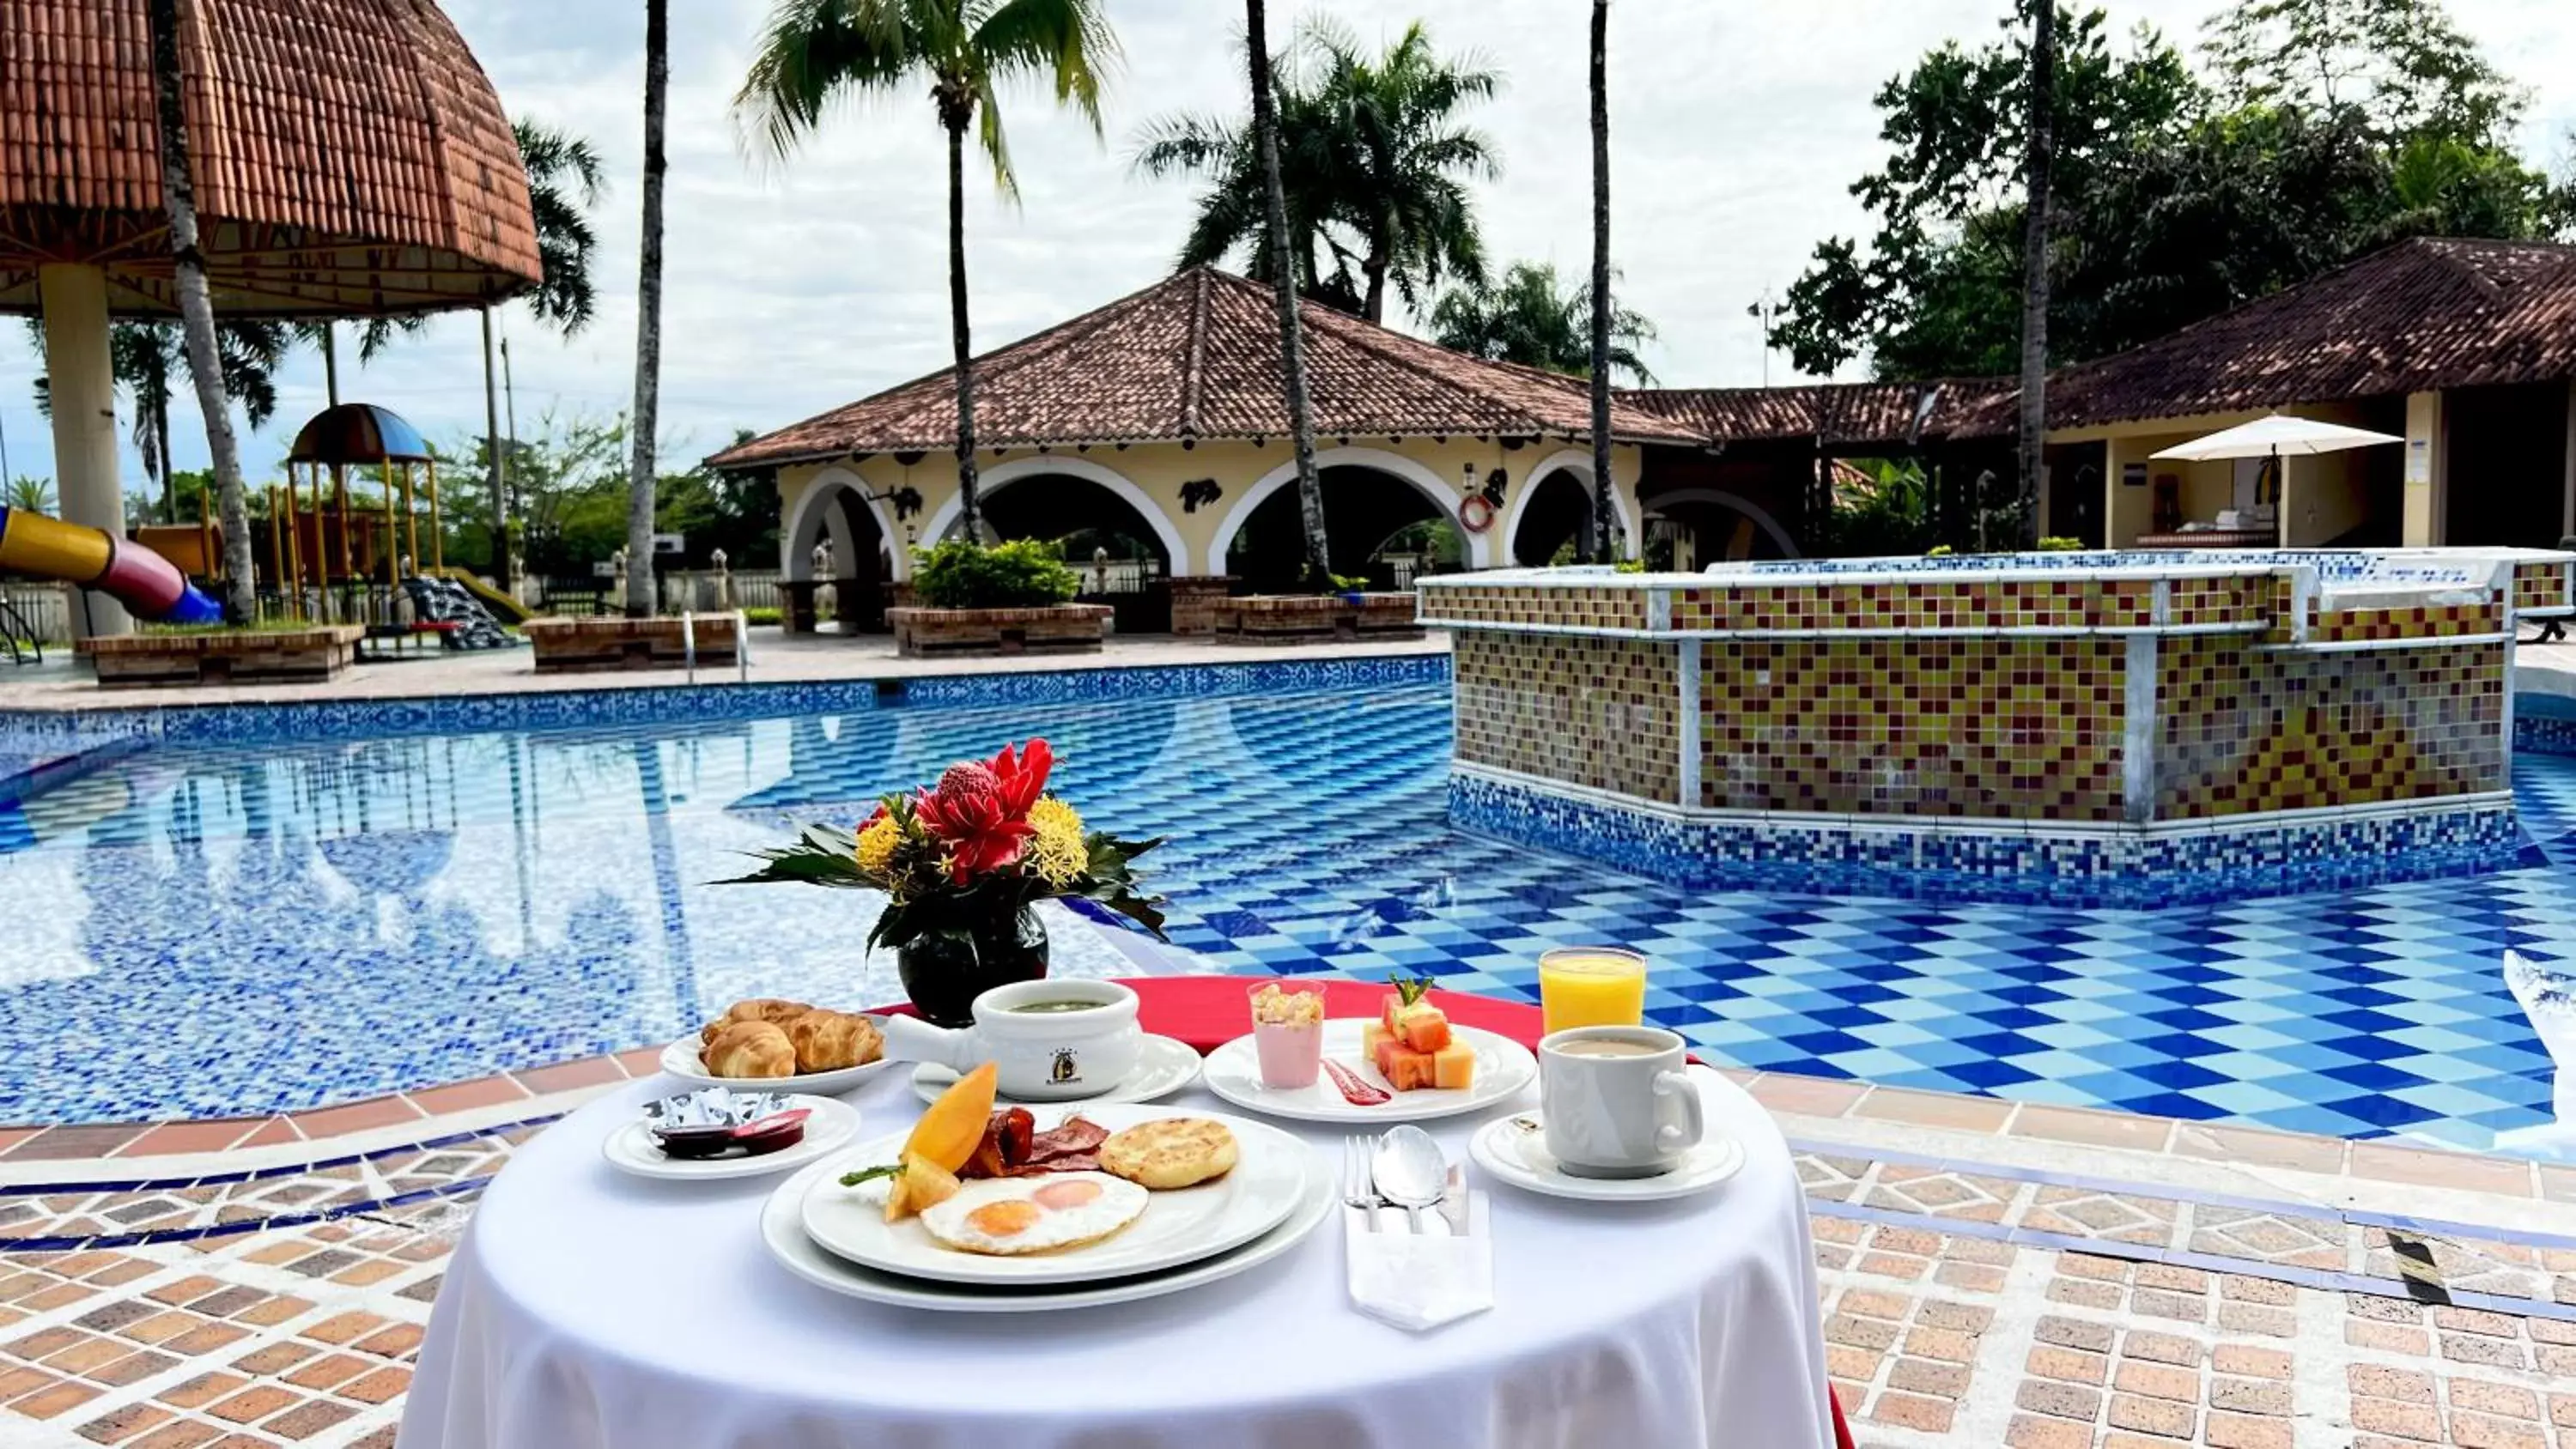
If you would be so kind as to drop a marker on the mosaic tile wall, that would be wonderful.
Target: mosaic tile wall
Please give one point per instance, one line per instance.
(2240, 730)
(2239, 599)
(1603, 606)
(2027, 728)
(1596, 712)
(2434, 621)
(2063, 603)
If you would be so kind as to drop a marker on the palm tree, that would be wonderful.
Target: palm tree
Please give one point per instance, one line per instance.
(1374, 161)
(36, 495)
(1604, 548)
(197, 313)
(1529, 318)
(816, 50)
(143, 354)
(2034, 268)
(640, 598)
(1292, 356)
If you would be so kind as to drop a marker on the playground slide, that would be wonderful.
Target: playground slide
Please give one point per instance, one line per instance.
(500, 605)
(143, 581)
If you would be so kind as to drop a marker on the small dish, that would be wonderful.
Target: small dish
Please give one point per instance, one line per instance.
(829, 1125)
(1165, 1066)
(1503, 1069)
(721, 1122)
(1514, 1150)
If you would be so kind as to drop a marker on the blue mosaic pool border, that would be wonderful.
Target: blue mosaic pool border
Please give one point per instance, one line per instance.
(55, 732)
(2115, 870)
(2544, 724)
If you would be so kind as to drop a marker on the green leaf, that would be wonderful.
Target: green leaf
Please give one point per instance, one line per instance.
(868, 1174)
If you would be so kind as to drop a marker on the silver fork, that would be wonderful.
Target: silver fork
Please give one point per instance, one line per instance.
(1359, 1188)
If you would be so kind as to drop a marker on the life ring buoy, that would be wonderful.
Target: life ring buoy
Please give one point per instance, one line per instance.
(1476, 514)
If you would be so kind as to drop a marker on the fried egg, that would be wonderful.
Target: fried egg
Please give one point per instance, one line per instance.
(1013, 1215)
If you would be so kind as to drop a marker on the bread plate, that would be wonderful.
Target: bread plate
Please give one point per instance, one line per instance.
(1270, 1177)
(782, 1230)
(1503, 1068)
(681, 1060)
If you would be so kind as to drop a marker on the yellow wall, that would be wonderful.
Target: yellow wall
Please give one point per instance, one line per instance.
(2425, 491)
(2332, 485)
(1151, 475)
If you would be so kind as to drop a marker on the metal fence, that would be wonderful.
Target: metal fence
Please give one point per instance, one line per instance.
(44, 608)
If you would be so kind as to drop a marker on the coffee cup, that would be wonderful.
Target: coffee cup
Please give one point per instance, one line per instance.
(1053, 1040)
(1616, 1101)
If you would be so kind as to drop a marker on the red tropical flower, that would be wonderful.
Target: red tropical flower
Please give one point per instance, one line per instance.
(980, 811)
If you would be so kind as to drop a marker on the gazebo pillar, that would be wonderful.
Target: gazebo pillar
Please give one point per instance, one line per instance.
(82, 385)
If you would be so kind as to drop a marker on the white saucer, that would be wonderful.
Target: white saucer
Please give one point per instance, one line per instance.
(1165, 1066)
(833, 1123)
(1514, 1150)
(1503, 1068)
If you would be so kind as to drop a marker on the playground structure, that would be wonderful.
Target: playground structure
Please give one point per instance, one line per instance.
(322, 550)
(138, 577)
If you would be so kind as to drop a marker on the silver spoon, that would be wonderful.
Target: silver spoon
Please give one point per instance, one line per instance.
(1409, 1171)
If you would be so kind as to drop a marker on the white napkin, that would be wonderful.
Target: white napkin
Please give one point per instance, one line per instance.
(1421, 1282)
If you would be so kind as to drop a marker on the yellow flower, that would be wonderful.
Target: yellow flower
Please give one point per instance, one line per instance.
(876, 847)
(1057, 851)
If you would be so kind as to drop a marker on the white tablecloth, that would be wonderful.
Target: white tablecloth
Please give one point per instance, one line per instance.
(591, 1310)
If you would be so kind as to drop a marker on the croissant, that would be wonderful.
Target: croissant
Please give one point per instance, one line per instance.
(751, 1049)
(827, 1041)
(771, 1009)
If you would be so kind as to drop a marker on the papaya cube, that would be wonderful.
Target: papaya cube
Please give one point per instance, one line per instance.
(1371, 1033)
(1409, 1070)
(1383, 1056)
(1424, 1027)
(1454, 1067)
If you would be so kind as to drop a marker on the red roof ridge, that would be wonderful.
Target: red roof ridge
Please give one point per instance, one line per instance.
(1194, 370)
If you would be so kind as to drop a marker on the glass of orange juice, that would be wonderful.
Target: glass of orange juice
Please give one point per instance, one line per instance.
(1591, 986)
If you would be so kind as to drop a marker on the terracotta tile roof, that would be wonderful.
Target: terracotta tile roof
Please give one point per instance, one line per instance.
(1835, 413)
(1196, 356)
(2416, 316)
(350, 155)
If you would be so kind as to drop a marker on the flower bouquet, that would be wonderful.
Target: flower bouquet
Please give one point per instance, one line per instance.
(962, 864)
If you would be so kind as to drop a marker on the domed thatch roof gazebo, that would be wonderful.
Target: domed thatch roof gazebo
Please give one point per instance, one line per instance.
(349, 159)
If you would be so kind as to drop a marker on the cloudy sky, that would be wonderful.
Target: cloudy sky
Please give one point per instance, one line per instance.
(793, 287)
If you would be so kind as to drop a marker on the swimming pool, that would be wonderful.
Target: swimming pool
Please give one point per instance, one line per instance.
(232, 916)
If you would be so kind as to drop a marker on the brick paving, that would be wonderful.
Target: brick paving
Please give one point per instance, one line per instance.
(1966, 1306)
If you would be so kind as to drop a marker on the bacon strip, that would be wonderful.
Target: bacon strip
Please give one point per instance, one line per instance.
(1013, 1147)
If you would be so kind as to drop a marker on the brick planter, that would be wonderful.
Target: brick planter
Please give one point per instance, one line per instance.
(1308, 618)
(570, 646)
(269, 656)
(1195, 602)
(1062, 629)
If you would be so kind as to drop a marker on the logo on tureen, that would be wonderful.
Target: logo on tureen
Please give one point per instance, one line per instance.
(1065, 1070)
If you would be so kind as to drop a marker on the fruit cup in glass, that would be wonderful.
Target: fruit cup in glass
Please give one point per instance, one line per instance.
(1591, 986)
(1288, 1033)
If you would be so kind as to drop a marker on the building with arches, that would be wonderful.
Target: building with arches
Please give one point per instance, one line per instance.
(1154, 426)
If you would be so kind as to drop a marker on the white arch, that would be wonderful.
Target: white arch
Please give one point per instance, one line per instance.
(1443, 495)
(995, 479)
(1579, 463)
(1746, 506)
(796, 549)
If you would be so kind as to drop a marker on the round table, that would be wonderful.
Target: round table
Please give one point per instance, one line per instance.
(587, 1309)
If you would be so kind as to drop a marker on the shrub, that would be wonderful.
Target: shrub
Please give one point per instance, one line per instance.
(2061, 545)
(1026, 573)
(760, 616)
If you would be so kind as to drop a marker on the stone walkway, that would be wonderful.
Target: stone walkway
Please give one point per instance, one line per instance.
(1969, 1302)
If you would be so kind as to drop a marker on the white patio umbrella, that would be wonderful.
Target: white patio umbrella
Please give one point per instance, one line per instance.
(2275, 437)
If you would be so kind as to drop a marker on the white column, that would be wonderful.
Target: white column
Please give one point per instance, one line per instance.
(83, 390)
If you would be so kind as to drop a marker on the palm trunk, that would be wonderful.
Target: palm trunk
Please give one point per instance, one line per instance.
(648, 320)
(961, 335)
(1373, 305)
(1292, 355)
(492, 464)
(2034, 271)
(197, 314)
(1605, 547)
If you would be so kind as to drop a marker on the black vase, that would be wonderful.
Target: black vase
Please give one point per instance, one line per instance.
(944, 971)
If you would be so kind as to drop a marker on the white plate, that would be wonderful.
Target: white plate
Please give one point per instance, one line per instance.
(782, 1228)
(1503, 1067)
(1270, 1175)
(1514, 1150)
(1166, 1066)
(631, 1149)
(681, 1060)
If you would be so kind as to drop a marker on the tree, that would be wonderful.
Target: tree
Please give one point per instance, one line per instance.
(2171, 198)
(1605, 549)
(1292, 356)
(1375, 164)
(814, 51)
(2402, 66)
(1530, 318)
(565, 179)
(36, 495)
(641, 471)
(197, 312)
(2041, 147)
(142, 357)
